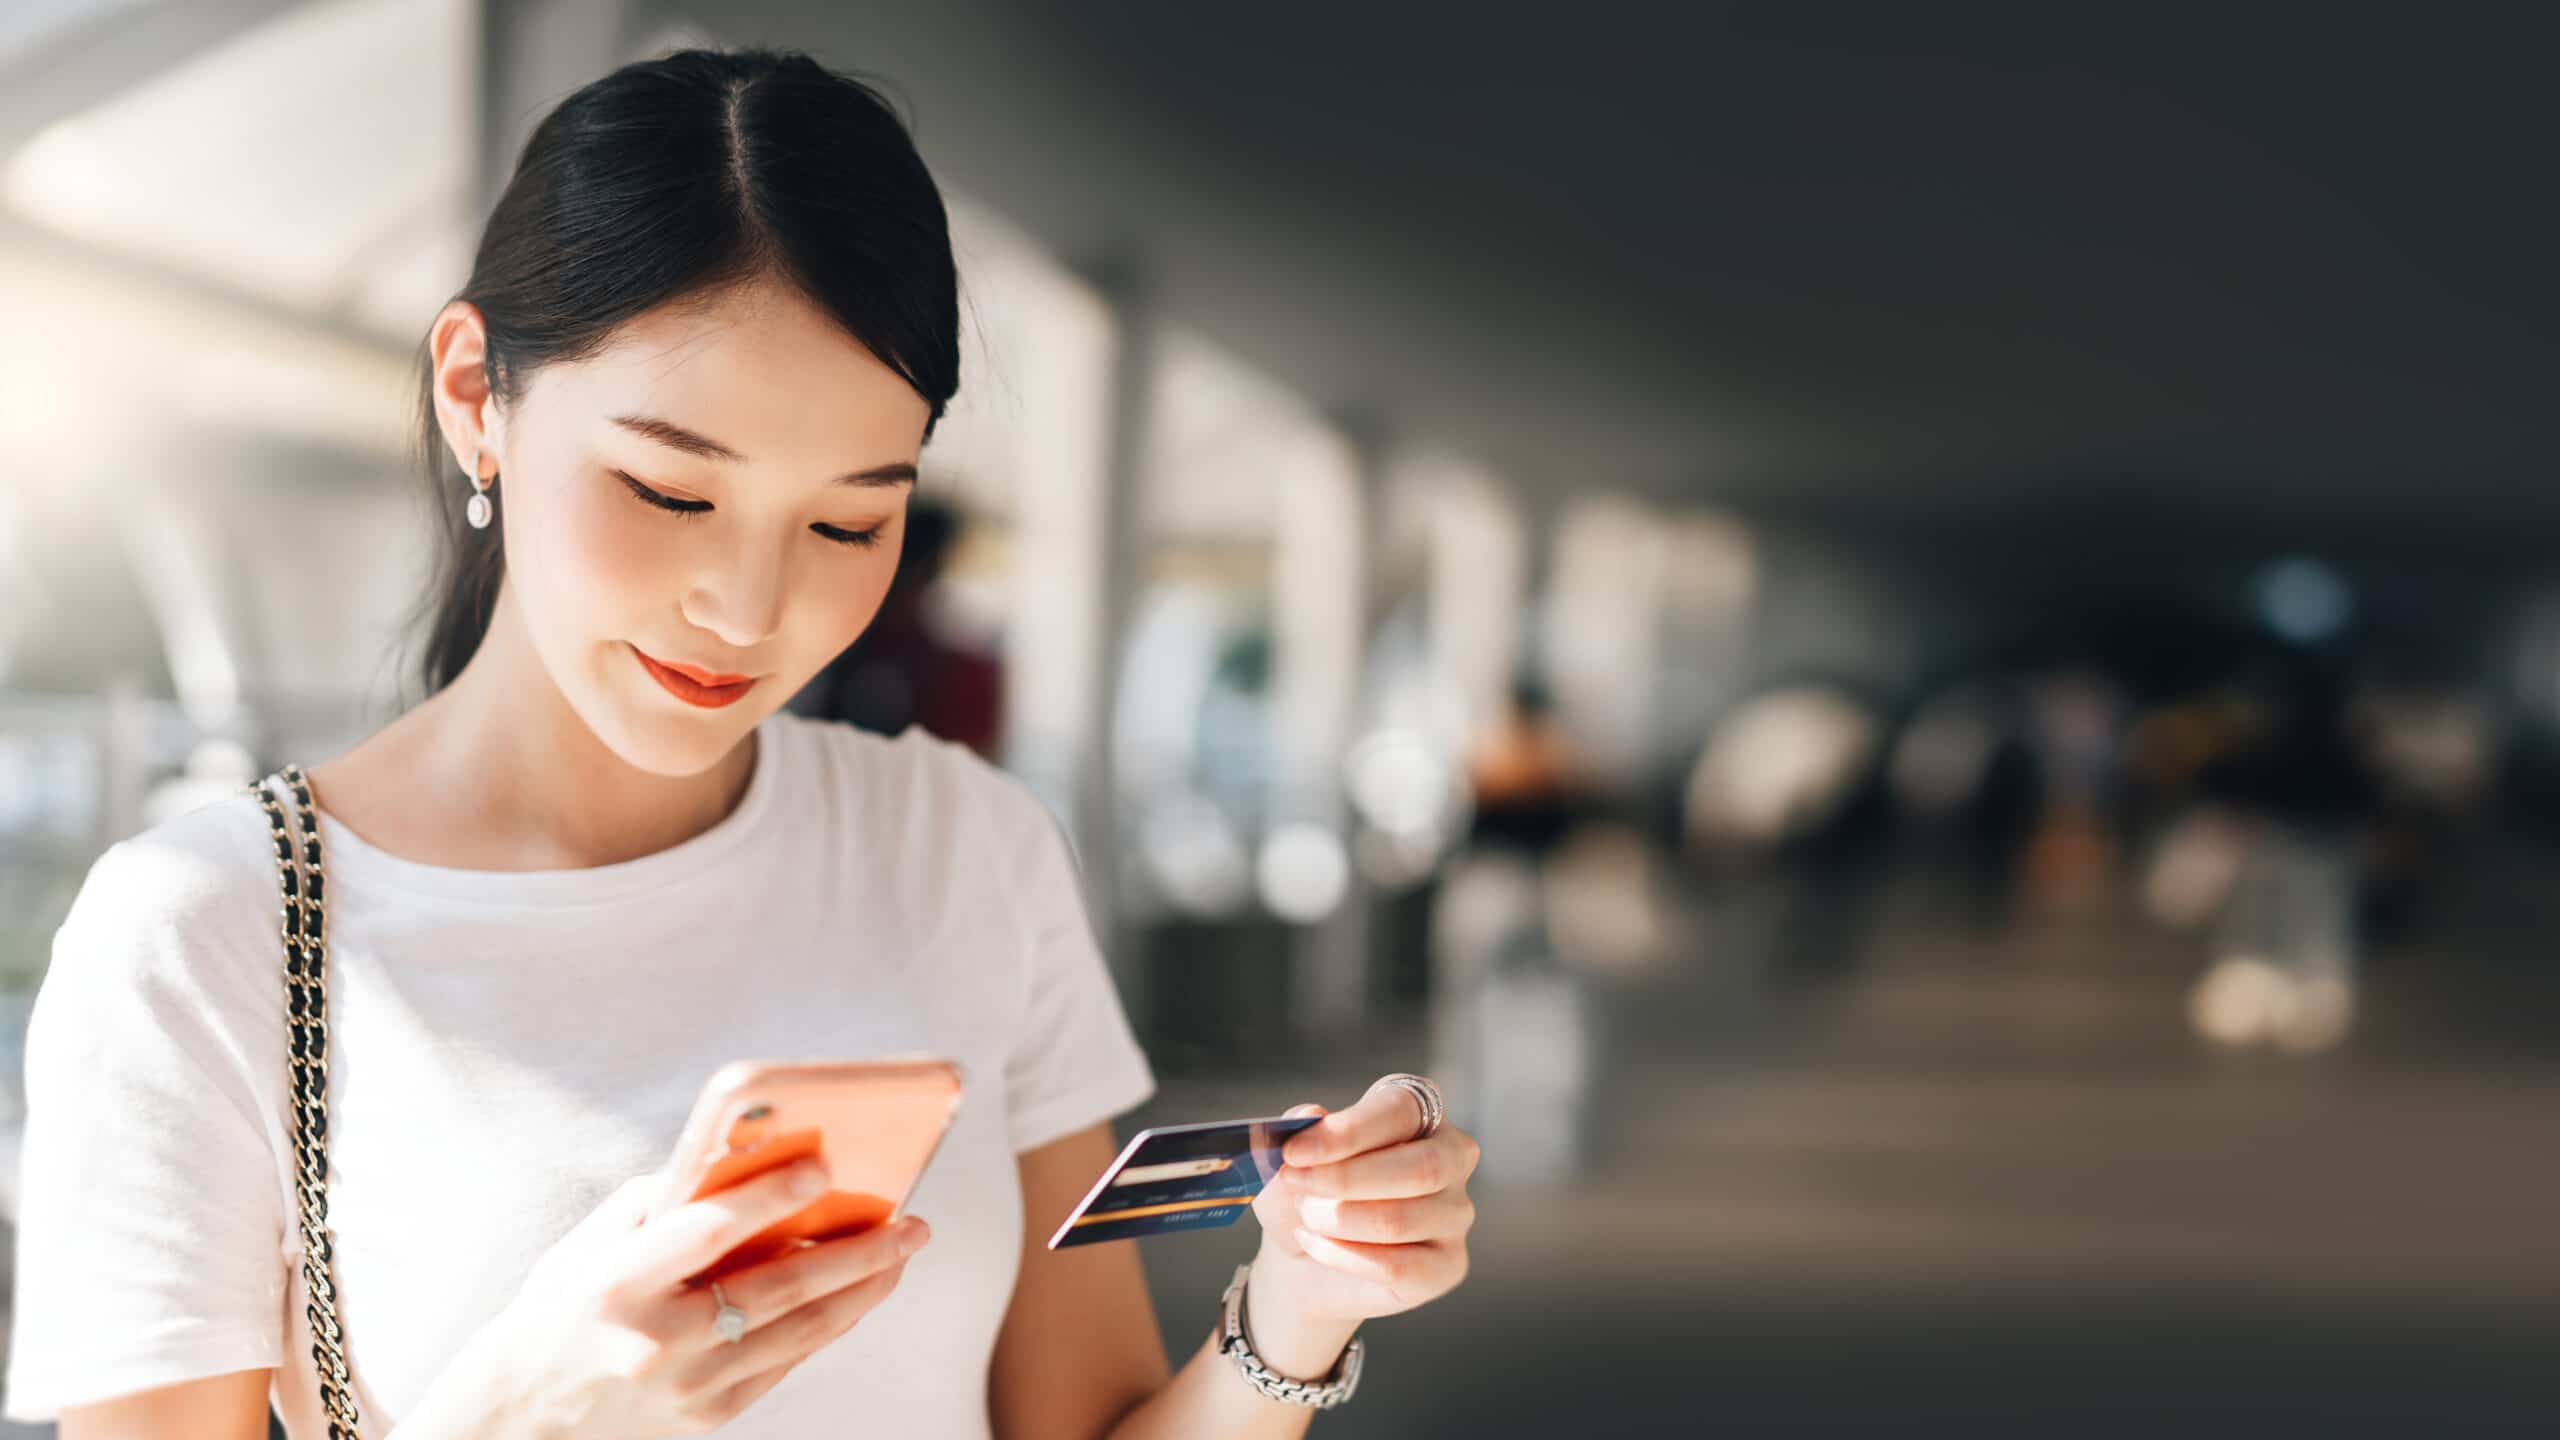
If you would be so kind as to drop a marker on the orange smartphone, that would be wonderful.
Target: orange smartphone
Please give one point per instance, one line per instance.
(875, 1123)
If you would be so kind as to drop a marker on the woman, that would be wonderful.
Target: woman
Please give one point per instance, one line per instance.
(709, 328)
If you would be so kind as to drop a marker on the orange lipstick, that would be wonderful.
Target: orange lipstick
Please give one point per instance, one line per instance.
(709, 689)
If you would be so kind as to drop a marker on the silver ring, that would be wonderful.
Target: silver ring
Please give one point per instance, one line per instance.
(1426, 1094)
(728, 1322)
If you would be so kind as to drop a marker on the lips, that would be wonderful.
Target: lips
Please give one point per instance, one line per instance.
(709, 689)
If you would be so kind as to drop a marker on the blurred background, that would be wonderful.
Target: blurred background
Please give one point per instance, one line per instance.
(1916, 647)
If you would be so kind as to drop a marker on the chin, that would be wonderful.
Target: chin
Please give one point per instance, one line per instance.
(661, 735)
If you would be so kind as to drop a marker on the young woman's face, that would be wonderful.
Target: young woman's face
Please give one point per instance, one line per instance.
(723, 491)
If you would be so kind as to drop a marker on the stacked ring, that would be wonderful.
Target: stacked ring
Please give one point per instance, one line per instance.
(1426, 1094)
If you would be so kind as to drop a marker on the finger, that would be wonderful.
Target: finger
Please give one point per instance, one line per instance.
(728, 1405)
(1276, 1208)
(787, 1282)
(628, 1205)
(1281, 1195)
(689, 1238)
(1387, 1115)
(1399, 1172)
(734, 1400)
(1443, 1216)
(1406, 1275)
(790, 1338)
(622, 1210)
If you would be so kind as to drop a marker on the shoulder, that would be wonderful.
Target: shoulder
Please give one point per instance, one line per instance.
(188, 905)
(916, 786)
(208, 866)
(153, 1059)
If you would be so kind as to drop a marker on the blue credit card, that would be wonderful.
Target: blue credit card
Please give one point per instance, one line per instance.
(1180, 1177)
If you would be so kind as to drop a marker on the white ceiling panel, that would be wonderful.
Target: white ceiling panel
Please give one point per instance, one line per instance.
(320, 159)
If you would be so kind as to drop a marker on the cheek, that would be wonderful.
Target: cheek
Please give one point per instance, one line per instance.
(844, 597)
(602, 554)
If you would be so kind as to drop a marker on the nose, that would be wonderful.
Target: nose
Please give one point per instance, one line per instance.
(739, 598)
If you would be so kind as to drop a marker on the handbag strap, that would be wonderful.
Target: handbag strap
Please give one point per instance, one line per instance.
(306, 952)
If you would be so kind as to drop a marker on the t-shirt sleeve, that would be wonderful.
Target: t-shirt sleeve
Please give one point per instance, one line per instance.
(1073, 1061)
(150, 1221)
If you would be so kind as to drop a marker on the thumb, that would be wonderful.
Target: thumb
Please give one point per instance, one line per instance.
(1277, 1206)
(625, 1208)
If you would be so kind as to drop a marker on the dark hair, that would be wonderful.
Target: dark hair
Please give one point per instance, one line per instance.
(673, 179)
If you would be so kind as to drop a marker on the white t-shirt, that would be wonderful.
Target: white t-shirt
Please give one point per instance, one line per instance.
(506, 1048)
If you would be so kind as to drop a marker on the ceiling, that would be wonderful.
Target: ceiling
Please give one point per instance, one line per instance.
(313, 158)
(2274, 268)
(2272, 273)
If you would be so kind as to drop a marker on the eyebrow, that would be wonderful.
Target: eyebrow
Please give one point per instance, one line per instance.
(669, 433)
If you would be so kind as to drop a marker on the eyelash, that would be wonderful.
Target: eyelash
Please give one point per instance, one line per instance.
(863, 539)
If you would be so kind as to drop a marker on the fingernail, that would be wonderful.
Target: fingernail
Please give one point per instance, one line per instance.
(1294, 1176)
(808, 1177)
(1307, 1239)
(917, 1232)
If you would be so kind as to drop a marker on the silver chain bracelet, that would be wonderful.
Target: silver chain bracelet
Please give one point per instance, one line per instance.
(1321, 1394)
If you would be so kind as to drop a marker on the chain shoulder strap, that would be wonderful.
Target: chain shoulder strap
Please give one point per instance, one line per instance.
(306, 953)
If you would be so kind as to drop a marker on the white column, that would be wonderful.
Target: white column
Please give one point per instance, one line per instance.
(1319, 606)
(1083, 366)
(1604, 610)
(1476, 576)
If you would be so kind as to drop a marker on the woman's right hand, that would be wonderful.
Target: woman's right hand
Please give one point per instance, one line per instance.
(607, 1338)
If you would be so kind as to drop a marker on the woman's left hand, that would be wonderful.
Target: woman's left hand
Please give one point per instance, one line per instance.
(1364, 1219)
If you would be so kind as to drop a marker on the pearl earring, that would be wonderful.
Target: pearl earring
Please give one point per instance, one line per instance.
(479, 510)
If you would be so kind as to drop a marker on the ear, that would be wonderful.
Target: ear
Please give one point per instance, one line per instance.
(459, 346)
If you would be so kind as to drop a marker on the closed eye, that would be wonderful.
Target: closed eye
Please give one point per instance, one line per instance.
(664, 502)
(864, 538)
(837, 534)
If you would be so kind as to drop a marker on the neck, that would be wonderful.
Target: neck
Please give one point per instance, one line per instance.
(534, 786)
